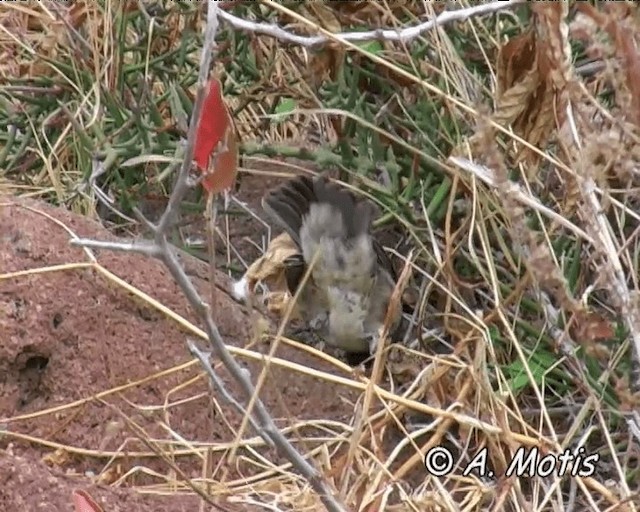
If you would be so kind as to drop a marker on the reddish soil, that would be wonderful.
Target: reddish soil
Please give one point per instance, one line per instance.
(68, 334)
(28, 484)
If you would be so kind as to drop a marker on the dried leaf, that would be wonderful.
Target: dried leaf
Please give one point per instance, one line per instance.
(515, 100)
(403, 364)
(323, 14)
(531, 70)
(628, 399)
(109, 476)
(516, 59)
(77, 14)
(520, 84)
(325, 63)
(269, 269)
(616, 22)
(57, 458)
(278, 303)
(553, 36)
(216, 147)
(590, 327)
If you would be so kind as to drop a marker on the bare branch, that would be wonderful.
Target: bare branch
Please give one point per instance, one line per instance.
(142, 247)
(216, 383)
(161, 249)
(404, 35)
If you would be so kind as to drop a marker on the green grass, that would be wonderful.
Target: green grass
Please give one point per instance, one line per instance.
(117, 105)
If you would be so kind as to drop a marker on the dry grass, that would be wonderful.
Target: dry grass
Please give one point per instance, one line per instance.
(542, 315)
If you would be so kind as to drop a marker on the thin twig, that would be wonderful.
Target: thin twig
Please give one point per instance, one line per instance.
(404, 35)
(217, 384)
(161, 249)
(488, 176)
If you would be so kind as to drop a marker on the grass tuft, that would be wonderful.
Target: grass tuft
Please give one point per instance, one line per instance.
(542, 315)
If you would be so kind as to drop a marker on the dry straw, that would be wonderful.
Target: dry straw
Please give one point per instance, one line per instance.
(546, 156)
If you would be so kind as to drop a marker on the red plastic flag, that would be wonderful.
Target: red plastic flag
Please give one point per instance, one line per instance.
(216, 148)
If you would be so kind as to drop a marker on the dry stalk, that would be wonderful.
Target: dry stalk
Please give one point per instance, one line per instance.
(160, 248)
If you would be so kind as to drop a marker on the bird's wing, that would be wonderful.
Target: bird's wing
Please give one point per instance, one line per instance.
(294, 270)
(289, 203)
(383, 259)
(347, 216)
(356, 212)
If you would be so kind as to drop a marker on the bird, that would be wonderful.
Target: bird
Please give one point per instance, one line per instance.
(351, 279)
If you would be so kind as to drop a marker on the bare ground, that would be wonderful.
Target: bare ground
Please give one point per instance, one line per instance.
(94, 381)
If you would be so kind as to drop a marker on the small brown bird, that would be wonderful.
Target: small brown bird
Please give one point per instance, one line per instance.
(351, 280)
